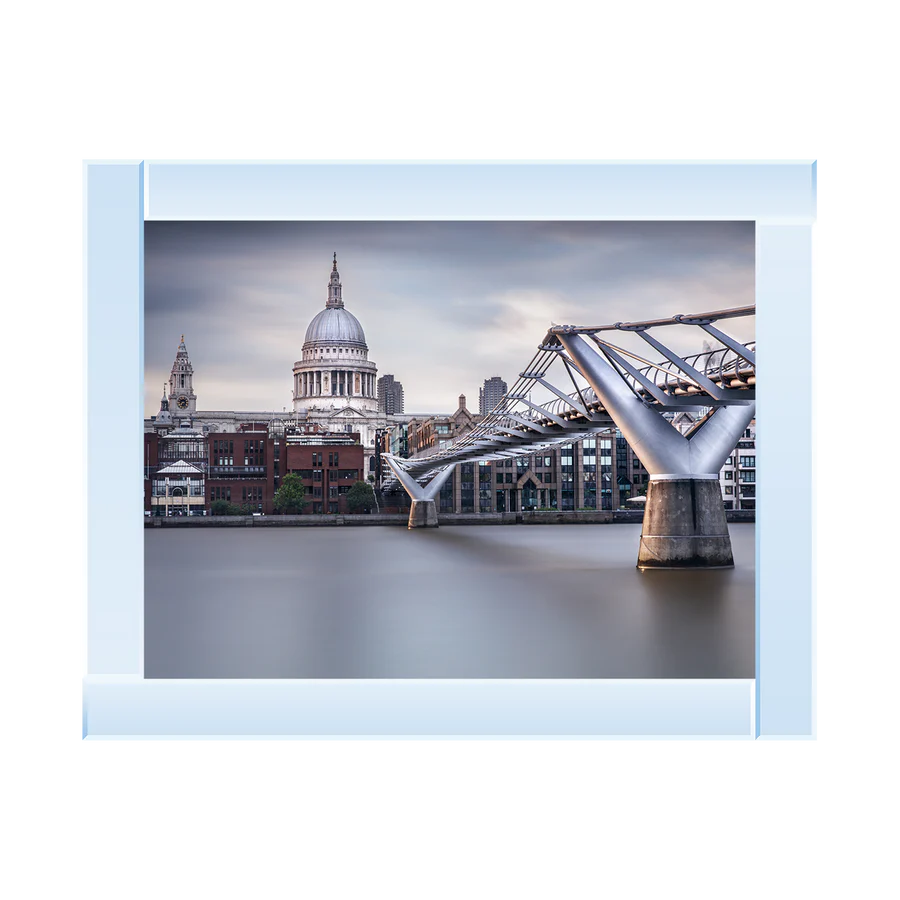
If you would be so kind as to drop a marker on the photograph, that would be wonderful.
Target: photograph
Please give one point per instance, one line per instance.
(449, 449)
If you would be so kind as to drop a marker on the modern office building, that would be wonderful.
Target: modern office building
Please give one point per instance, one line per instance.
(490, 394)
(738, 475)
(390, 395)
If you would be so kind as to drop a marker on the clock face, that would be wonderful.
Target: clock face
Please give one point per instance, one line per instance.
(182, 402)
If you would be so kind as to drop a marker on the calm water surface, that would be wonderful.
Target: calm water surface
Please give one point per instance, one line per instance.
(539, 601)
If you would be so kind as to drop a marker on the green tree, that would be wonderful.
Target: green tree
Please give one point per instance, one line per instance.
(220, 508)
(361, 497)
(291, 496)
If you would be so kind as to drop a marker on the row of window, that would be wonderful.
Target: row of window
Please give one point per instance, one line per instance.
(743, 477)
(333, 460)
(350, 352)
(159, 489)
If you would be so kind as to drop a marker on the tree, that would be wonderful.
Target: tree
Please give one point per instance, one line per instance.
(361, 497)
(220, 508)
(291, 496)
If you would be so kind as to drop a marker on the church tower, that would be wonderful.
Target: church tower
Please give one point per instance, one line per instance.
(163, 421)
(182, 398)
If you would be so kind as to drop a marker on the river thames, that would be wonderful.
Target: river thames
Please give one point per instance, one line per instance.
(477, 601)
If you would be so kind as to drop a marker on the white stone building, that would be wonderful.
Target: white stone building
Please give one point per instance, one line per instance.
(334, 384)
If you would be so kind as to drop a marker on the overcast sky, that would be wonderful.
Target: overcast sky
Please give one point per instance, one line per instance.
(444, 305)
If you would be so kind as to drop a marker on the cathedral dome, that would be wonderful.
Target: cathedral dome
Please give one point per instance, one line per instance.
(334, 325)
(335, 370)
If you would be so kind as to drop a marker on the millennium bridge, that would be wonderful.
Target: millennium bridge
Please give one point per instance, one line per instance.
(583, 381)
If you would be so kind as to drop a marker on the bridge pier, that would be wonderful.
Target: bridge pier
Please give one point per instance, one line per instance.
(423, 514)
(684, 525)
(684, 517)
(423, 509)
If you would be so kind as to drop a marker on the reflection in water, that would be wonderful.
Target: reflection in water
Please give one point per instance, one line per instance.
(552, 601)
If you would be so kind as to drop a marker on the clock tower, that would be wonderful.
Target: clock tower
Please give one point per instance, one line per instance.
(182, 399)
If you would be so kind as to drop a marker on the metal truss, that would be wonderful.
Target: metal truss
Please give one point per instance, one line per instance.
(615, 386)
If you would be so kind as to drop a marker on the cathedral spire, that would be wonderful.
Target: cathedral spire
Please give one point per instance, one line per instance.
(334, 287)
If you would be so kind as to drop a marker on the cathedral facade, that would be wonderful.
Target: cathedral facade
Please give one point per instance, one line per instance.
(334, 386)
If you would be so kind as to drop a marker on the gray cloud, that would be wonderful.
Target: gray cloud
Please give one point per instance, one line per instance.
(444, 304)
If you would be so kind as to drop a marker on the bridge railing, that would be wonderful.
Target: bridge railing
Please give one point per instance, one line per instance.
(535, 413)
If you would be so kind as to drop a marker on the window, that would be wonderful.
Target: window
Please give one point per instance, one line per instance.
(748, 462)
(467, 487)
(446, 494)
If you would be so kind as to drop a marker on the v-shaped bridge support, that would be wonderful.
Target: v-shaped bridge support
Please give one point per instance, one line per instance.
(684, 518)
(423, 512)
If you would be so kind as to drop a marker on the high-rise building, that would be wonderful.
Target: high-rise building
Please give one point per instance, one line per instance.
(390, 395)
(491, 394)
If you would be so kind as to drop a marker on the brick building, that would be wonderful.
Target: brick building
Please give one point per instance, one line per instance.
(245, 467)
(329, 465)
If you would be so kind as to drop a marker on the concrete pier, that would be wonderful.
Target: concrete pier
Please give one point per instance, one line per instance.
(423, 511)
(423, 514)
(684, 526)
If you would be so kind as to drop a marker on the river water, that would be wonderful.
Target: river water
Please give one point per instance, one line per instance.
(479, 601)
